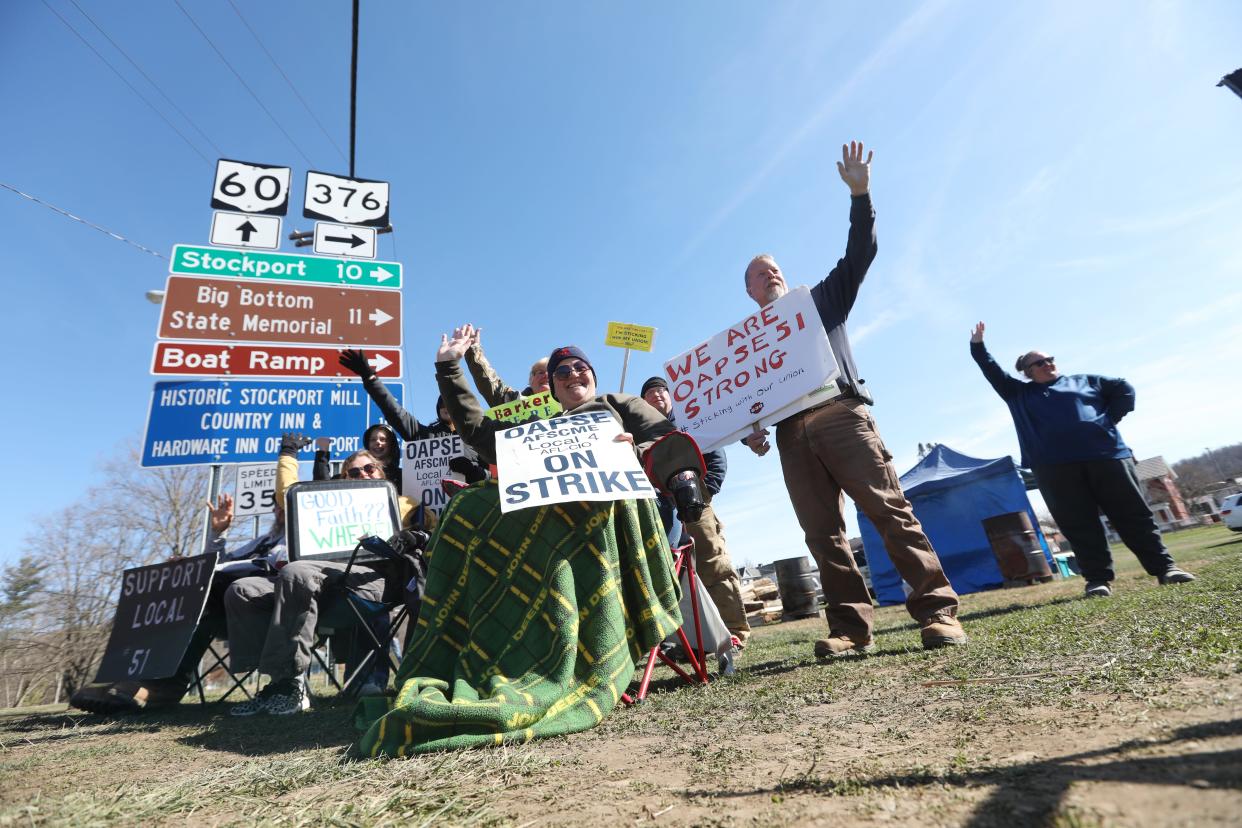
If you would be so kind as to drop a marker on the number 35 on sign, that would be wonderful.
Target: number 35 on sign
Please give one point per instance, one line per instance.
(251, 188)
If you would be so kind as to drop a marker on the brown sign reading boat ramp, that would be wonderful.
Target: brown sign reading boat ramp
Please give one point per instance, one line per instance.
(235, 311)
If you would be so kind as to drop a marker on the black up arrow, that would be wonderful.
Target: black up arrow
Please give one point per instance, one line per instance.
(352, 241)
(246, 229)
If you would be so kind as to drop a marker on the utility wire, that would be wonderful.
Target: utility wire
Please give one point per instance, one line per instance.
(67, 214)
(133, 63)
(242, 81)
(292, 88)
(125, 80)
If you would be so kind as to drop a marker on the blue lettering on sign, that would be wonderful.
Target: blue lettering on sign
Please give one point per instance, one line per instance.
(223, 421)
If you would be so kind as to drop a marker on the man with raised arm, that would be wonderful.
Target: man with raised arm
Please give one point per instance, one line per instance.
(1067, 430)
(834, 448)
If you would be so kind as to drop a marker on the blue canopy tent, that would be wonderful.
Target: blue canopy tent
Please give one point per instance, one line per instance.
(952, 494)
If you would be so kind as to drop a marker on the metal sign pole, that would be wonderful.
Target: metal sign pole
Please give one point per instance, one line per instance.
(624, 366)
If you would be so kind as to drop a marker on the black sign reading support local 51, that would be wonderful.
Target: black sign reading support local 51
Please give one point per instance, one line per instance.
(159, 608)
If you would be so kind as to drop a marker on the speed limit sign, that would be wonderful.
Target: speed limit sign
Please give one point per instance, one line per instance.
(256, 490)
(251, 188)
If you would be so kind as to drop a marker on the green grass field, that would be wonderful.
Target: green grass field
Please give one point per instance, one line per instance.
(1061, 711)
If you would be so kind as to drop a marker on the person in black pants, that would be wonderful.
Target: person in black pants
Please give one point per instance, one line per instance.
(1067, 430)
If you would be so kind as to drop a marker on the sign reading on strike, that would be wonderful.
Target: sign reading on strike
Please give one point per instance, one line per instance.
(255, 492)
(565, 459)
(424, 463)
(250, 188)
(207, 359)
(224, 309)
(760, 370)
(156, 615)
(199, 421)
(540, 405)
(634, 337)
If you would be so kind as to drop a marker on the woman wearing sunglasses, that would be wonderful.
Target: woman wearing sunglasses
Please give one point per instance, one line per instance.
(1067, 430)
(533, 620)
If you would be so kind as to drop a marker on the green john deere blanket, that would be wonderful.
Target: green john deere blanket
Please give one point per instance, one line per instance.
(531, 624)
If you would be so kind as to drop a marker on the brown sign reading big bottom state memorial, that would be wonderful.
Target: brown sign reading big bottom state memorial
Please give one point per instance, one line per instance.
(233, 311)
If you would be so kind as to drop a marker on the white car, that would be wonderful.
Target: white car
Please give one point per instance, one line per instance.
(1231, 512)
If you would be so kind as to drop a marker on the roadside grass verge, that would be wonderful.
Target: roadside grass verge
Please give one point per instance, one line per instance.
(1042, 647)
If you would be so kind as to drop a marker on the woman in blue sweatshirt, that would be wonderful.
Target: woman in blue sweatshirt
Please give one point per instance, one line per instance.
(1067, 430)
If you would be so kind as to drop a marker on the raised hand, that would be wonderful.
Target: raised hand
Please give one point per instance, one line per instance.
(452, 348)
(323, 443)
(355, 359)
(855, 172)
(221, 512)
(291, 442)
(977, 334)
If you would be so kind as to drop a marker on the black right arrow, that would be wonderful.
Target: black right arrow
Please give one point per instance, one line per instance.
(352, 241)
(246, 229)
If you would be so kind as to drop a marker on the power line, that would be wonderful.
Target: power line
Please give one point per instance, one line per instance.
(67, 214)
(242, 81)
(134, 63)
(125, 80)
(293, 88)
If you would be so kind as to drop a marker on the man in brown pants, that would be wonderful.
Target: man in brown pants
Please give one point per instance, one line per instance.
(711, 557)
(834, 448)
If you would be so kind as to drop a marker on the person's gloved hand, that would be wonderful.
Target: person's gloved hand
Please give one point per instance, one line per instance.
(355, 359)
(686, 494)
(291, 442)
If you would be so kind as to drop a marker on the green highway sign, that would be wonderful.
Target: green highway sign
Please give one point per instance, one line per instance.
(188, 260)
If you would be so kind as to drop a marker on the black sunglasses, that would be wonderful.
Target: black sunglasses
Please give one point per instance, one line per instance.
(1040, 363)
(358, 471)
(566, 371)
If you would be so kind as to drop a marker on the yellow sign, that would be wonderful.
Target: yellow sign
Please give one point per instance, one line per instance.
(634, 337)
(539, 405)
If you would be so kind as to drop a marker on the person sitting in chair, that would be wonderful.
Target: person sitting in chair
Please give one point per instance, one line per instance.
(535, 618)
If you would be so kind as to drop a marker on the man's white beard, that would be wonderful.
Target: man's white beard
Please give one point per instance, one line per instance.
(775, 292)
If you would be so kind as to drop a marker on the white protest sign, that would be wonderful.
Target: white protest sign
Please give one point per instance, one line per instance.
(770, 365)
(424, 463)
(327, 517)
(256, 489)
(565, 459)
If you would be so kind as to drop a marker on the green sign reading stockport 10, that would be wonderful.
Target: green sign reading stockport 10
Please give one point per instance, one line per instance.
(189, 260)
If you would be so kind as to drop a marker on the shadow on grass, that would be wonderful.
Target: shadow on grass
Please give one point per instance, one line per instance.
(1034, 792)
(327, 724)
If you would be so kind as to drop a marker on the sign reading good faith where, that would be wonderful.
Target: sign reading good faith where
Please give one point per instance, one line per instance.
(569, 458)
(770, 365)
(156, 615)
(327, 517)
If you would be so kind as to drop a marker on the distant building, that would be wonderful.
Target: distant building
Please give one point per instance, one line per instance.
(1167, 503)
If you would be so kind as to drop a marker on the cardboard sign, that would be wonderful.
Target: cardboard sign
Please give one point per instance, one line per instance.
(158, 609)
(255, 492)
(325, 518)
(566, 459)
(424, 463)
(768, 366)
(540, 405)
(634, 337)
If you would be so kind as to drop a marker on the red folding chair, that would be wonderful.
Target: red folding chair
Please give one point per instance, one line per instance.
(683, 559)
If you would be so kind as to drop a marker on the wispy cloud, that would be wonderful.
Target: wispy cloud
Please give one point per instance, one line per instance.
(893, 45)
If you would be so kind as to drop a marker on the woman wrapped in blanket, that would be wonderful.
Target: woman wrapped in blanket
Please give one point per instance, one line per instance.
(533, 621)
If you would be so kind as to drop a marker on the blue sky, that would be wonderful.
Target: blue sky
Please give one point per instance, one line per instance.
(1067, 172)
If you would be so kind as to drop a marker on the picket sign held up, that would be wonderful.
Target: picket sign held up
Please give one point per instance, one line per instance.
(628, 336)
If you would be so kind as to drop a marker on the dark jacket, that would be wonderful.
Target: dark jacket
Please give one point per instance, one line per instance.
(834, 296)
(1071, 420)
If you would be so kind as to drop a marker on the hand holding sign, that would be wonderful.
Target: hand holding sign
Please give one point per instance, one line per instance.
(757, 441)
